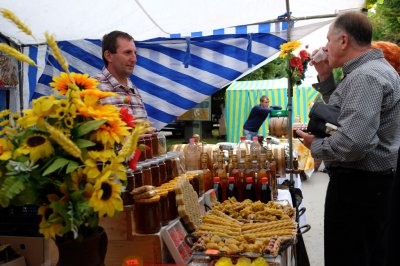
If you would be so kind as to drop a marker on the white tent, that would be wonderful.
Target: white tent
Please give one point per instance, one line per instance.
(252, 41)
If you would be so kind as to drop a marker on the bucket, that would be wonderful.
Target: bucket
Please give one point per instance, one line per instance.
(278, 126)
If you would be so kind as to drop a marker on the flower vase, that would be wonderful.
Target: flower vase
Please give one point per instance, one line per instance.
(83, 252)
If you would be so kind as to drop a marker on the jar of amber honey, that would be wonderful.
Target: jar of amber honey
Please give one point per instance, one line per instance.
(173, 208)
(164, 208)
(147, 213)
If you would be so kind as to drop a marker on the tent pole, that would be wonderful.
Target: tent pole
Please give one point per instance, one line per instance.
(290, 100)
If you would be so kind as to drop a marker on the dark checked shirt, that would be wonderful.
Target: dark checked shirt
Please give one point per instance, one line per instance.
(369, 99)
(127, 96)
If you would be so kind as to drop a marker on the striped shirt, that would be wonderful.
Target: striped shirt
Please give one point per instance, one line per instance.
(369, 99)
(127, 96)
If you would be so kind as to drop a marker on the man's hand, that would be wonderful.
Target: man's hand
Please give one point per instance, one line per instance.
(307, 138)
(322, 67)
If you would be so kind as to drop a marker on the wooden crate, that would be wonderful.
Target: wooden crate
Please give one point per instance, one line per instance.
(34, 249)
(123, 242)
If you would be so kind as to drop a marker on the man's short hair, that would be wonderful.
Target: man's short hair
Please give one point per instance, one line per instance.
(109, 42)
(356, 25)
(263, 97)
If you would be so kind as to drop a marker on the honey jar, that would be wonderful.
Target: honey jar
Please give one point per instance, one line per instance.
(148, 215)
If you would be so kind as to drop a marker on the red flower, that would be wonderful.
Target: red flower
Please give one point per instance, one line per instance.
(126, 116)
(300, 69)
(295, 61)
(303, 54)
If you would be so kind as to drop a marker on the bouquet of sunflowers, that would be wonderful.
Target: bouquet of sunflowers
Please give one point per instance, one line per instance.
(297, 64)
(66, 155)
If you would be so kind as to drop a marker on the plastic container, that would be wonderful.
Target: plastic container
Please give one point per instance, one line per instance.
(242, 149)
(232, 190)
(218, 189)
(147, 215)
(250, 190)
(265, 191)
(255, 149)
(192, 156)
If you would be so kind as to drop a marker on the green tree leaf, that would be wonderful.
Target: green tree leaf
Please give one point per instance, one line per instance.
(89, 126)
(57, 164)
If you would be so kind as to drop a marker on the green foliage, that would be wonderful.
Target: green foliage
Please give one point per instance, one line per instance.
(273, 70)
(386, 21)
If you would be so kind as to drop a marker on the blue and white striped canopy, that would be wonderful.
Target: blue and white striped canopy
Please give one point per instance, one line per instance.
(173, 74)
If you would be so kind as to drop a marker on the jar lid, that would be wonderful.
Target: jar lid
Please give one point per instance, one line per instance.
(249, 179)
(156, 198)
(231, 179)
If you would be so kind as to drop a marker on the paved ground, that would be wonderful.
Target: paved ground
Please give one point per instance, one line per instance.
(314, 190)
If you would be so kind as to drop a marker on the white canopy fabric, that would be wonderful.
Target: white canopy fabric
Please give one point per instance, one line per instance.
(205, 45)
(145, 19)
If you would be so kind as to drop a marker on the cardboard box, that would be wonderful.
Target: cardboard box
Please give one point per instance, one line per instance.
(34, 249)
(17, 262)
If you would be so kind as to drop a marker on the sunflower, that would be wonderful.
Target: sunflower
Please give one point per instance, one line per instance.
(111, 132)
(106, 197)
(5, 149)
(37, 146)
(96, 93)
(79, 183)
(42, 107)
(93, 109)
(81, 80)
(48, 227)
(288, 47)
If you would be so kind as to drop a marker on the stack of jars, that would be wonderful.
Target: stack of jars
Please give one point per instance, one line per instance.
(155, 166)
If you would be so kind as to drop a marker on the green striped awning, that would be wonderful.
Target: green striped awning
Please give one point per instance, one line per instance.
(241, 96)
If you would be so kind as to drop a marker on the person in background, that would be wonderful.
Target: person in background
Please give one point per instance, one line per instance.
(391, 52)
(361, 156)
(119, 56)
(257, 116)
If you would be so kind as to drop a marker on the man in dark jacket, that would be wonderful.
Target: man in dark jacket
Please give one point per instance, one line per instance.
(257, 116)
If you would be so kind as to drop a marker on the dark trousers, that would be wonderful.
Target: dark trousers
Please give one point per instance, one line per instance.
(356, 217)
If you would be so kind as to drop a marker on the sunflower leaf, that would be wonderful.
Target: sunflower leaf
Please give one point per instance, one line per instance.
(72, 165)
(89, 126)
(84, 143)
(57, 164)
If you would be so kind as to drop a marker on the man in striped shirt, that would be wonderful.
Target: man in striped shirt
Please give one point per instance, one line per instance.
(361, 156)
(119, 56)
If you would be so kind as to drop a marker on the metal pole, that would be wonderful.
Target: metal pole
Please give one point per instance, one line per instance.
(290, 99)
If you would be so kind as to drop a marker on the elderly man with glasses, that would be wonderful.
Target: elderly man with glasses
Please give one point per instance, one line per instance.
(257, 116)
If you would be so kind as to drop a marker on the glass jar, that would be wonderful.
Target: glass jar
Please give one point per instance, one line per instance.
(175, 162)
(154, 144)
(155, 173)
(164, 208)
(143, 153)
(168, 165)
(173, 208)
(130, 178)
(146, 173)
(162, 144)
(147, 141)
(147, 213)
(163, 170)
(137, 176)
